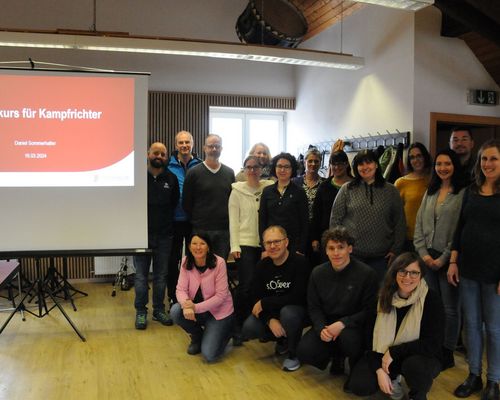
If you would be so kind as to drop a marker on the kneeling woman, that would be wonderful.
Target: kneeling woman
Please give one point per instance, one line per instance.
(408, 335)
(205, 306)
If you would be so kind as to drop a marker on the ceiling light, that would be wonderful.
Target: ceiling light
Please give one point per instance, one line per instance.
(410, 5)
(235, 51)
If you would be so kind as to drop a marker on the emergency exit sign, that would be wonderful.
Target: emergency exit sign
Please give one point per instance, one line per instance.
(483, 97)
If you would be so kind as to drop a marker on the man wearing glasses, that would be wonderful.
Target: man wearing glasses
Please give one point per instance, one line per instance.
(279, 293)
(205, 196)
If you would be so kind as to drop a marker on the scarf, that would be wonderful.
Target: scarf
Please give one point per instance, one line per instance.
(384, 333)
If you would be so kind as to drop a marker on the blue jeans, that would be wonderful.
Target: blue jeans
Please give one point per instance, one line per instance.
(214, 334)
(293, 320)
(160, 246)
(481, 303)
(438, 282)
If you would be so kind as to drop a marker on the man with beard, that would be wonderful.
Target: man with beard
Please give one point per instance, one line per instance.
(163, 196)
(461, 142)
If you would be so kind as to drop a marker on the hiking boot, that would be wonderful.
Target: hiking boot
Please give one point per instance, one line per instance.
(141, 321)
(163, 318)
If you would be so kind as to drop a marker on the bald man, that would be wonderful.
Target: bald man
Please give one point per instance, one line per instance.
(163, 196)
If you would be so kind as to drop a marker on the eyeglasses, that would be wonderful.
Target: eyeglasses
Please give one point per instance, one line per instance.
(280, 166)
(213, 146)
(252, 167)
(416, 157)
(412, 274)
(269, 243)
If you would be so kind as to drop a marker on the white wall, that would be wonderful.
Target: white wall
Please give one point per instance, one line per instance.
(193, 19)
(379, 97)
(445, 69)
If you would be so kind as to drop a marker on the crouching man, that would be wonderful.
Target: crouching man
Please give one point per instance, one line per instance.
(279, 290)
(341, 299)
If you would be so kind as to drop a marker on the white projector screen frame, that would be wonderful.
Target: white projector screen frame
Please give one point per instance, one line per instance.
(49, 211)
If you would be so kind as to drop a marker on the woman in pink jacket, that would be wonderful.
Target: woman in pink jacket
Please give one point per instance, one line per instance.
(205, 306)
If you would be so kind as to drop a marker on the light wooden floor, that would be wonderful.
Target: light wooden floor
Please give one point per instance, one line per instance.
(45, 359)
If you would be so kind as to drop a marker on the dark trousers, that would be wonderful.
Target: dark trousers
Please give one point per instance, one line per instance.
(245, 267)
(182, 233)
(314, 351)
(292, 318)
(419, 372)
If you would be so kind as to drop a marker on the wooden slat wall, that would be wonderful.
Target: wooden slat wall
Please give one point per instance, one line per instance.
(169, 113)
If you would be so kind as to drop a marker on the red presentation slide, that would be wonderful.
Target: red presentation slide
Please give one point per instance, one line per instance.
(65, 123)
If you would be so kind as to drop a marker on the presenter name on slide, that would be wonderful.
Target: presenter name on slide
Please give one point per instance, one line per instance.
(32, 143)
(43, 113)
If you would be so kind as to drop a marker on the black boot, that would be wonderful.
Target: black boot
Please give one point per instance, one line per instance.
(472, 384)
(448, 360)
(195, 345)
(490, 392)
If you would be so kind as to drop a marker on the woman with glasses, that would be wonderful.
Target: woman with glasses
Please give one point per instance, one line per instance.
(372, 211)
(263, 154)
(285, 204)
(407, 337)
(475, 268)
(413, 186)
(205, 306)
(435, 226)
(243, 206)
(322, 207)
(311, 182)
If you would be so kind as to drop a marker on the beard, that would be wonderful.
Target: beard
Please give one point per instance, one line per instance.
(157, 163)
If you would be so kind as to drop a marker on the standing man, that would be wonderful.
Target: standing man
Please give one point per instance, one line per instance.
(279, 295)
(180, 161)
(205, 196)
(163, 196)
(461, 142)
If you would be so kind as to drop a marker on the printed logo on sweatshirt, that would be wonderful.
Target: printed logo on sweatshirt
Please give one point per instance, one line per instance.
(273, 285)
(166, 186)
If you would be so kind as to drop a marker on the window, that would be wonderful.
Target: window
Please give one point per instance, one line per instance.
(240, 129)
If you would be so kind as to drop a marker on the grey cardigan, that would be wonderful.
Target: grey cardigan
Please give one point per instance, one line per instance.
(436, 230)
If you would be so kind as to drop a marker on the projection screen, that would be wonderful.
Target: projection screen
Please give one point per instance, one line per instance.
(72, 160)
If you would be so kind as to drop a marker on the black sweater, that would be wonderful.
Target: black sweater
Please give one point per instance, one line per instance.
(289, 211)
(477, 238)
(278, 286)
(349, 295)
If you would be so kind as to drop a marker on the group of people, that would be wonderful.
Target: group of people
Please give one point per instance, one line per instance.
(379, 272)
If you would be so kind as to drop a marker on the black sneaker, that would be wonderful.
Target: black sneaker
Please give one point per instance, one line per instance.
(491, 391)
(141, 321)
(163, 318)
